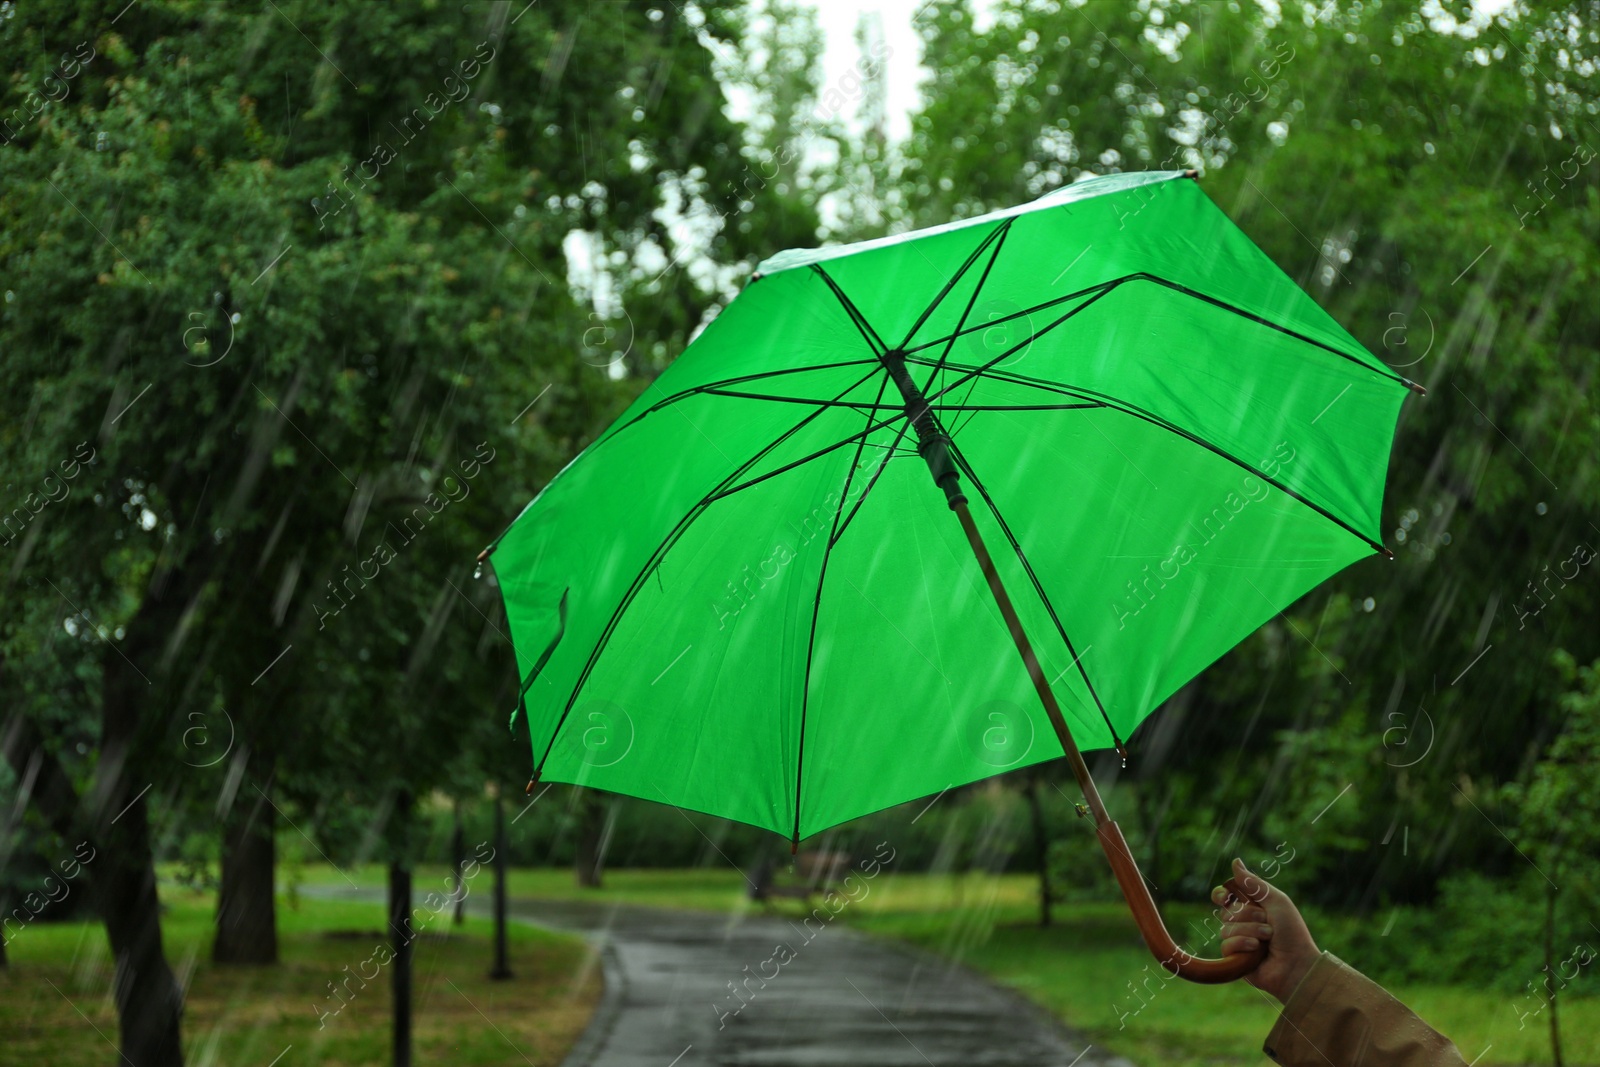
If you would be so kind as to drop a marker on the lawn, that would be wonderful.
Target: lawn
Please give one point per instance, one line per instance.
(56, 1007)
(1084, 967)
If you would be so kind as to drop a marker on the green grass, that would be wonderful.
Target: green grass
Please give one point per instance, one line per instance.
(248, 1015)
(1080, 968)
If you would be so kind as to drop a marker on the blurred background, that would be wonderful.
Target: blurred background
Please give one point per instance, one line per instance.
(287, 282)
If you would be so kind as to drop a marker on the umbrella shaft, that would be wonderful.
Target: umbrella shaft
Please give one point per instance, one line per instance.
(1080, 770)
(933, 444)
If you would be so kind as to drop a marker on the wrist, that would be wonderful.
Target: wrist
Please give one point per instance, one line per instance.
(1294, 973)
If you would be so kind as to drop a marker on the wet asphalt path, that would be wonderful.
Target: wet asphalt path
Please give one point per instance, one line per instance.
(697, 989)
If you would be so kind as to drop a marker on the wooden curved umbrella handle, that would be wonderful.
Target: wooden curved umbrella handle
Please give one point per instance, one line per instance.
(1154, 931)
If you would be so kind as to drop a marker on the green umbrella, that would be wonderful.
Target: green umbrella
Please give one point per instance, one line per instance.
(745, 598)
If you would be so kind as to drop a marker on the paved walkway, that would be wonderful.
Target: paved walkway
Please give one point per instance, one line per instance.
(696, 990)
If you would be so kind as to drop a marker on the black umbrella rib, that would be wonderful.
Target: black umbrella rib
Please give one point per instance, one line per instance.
(1008, 353)
(1116, 404)
(710, 386)
(861, 405)
(1253, 317)
(1044, 306)
(998, 232)
(816, 610)
(888, 454)
(704, 388)
(1038, 588)
(823, 451)
(971, 301)
(868, 334)
(655, 559)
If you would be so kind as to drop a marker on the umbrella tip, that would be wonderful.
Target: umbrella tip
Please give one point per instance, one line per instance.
(1386, 553)
(1414, 387)
(1192, 173)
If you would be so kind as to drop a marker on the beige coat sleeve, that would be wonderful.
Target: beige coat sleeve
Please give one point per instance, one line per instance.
(1338, 1017)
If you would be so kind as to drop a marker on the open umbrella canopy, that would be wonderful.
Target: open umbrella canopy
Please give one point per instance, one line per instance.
(748, 598)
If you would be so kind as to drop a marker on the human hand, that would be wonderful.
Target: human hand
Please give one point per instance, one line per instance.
(1261, 915)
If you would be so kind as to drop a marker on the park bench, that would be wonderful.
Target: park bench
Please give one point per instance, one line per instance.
(814, 873)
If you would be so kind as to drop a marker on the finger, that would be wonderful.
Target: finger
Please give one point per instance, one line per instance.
(1249, 914)
(1234, 946)
(1259, 931)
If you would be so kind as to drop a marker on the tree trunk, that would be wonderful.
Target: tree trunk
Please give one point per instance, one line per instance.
(458, 856)
(148, 998)
(247, 921)
(1549, 972)
(591, 834)
(502, 966)
(401, 938)
(1041, 847)
(149, 1002)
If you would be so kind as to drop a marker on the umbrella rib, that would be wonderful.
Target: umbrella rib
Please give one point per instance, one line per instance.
(862, 406)
(869, 431)
(888, 454)
(816, 609)
(655, 558)
(711, 386)
(1052, 302)
(994, 257)
(997, 232)
(1118, 404)
(1253, 317)
(708, 387)
(1176, 287)
(857, 404)
(976, 371)
(1038, 588)
(870, 335)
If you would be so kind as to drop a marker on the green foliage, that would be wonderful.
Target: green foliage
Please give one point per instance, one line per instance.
(1559, 805)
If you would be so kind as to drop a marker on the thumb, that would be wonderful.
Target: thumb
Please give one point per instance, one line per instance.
(1249, 884)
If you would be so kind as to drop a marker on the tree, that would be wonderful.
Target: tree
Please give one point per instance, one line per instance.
(264, 346)
(1560, 826)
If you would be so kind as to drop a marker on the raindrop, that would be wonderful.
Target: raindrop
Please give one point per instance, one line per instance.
(1400, 535)
(102, 141)
(477, 572)
(1427, 146)
(10, 296)
(1444, 539)
(234, 318)
(118, 633)
(1368, 604)
(1540, 507)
